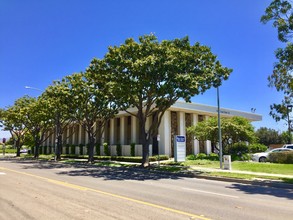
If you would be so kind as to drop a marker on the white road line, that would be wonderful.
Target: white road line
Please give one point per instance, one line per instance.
(213, 193)
(2, 173)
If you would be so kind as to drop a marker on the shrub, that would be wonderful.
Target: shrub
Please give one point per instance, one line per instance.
(238, 149)
(201, 156)
(98, 150)
(213, 157)
(118, 150)
(191, 157)
(80, 149)
(255, 148)
(281, 157)
(106, 149)
(72, 149)
(67, 146)
(132, 149)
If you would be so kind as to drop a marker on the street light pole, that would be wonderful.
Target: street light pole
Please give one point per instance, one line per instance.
(219, 129)
(289, 122)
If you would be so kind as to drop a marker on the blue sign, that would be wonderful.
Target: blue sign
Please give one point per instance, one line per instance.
(180, 138)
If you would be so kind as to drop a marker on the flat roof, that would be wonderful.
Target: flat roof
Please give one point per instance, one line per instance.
(190, 107)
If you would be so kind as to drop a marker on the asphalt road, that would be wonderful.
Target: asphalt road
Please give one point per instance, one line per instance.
(42, 190)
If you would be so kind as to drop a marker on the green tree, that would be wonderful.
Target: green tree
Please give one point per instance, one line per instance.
(280, 12)
(61, 107)
(268, 136)
(36, 118)
(94, 106)
(150, 76)
(11, 119)
(234, 130)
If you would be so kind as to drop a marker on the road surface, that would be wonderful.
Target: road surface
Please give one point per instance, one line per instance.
(49, 190)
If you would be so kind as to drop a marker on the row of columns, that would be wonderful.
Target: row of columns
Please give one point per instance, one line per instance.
(164, 131)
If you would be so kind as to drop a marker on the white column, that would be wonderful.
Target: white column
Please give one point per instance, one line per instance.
(134, 129)
(112, 131)
(195, 141)
(86, 138)
(165, 134)
(123, 123)
(181, 123)
(208, 144)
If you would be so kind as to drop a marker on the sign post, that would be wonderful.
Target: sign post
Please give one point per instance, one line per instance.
(180, 148)
(158, 139)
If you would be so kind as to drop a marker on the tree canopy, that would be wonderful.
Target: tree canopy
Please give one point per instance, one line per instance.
(280, 12)
(234, 130)
(151, 76)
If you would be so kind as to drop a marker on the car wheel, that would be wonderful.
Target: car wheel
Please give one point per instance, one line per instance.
(262, 159)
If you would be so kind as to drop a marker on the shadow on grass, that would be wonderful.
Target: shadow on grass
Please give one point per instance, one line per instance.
(104, 170)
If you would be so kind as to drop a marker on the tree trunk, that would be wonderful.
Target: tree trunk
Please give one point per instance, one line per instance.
(37, 146)
(17, 144)
(145, 153)
(91, 145)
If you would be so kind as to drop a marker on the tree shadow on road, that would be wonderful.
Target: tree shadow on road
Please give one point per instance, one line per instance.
(264, 190)
(105, 172)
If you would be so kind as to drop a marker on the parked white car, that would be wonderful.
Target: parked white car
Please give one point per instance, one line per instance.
(288, 146)
(262, 157)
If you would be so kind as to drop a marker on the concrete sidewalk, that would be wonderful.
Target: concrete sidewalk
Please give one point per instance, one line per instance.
(204, 169)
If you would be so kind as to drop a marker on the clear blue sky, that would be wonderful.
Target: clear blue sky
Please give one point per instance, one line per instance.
(42, 41)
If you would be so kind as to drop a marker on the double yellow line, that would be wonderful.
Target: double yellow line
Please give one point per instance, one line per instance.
(82, 188)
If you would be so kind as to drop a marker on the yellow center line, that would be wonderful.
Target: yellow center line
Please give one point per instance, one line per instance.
(74, 186)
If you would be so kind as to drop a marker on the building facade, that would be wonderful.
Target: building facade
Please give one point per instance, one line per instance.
(124, 130)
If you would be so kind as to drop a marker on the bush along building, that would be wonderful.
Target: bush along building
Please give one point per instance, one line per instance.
(121, 134)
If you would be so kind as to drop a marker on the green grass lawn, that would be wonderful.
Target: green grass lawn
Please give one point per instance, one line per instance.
(274, 168)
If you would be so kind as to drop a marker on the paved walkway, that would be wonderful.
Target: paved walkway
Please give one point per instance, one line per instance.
(203, 169)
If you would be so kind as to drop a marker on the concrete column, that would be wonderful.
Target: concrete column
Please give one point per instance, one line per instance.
(112, 131)
(123, 134)
(134, 130)
(195, 142)
(165, 134)
(208, 144)
(181, 123)
(86, 138)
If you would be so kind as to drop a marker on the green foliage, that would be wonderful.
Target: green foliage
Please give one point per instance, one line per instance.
(235, 129)
(118, 149)
(256, 148)
(98, 149)
(106, 149)
(132, 149)
(238, 149)
(72, 149)
(280, 12)
(201, 156)
(191, 157)
(213, 157)
(281, 157)
(80, 149)
(267, 136)
(151, 76)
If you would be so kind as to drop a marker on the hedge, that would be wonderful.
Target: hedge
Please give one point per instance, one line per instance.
(281, 157)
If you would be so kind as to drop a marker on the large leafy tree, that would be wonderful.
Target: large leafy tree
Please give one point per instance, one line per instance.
(61, 107)
(36, 118)
(94, 106)
(11, 119)
(234, 130)
(151, 76)
(268, 136)
(280, 12)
